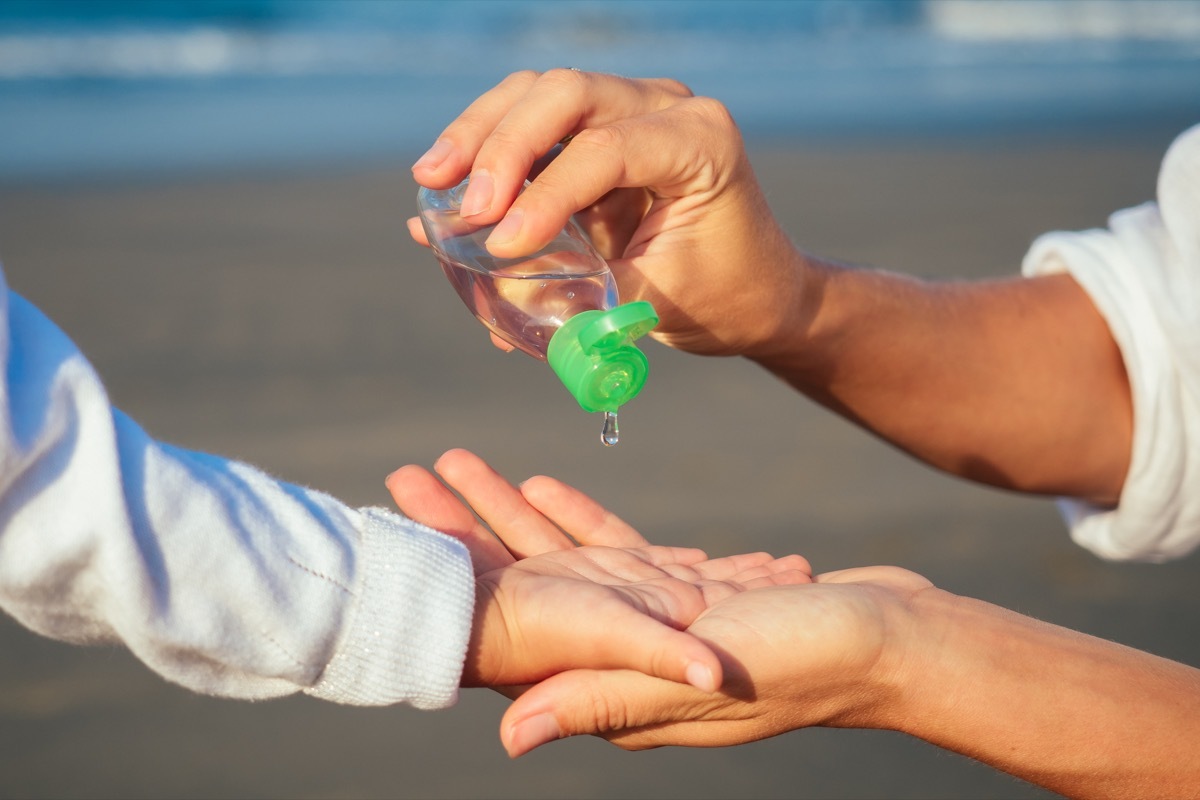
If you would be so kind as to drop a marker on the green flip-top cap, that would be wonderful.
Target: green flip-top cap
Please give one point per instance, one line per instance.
(594, 356)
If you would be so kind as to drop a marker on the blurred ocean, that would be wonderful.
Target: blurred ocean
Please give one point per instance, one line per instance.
(90, 88)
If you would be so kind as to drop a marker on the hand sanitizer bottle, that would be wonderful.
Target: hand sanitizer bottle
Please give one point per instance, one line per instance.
(559, 305)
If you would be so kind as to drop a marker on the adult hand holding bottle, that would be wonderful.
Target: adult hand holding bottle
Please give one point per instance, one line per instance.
(658, 178)
(1016, 383)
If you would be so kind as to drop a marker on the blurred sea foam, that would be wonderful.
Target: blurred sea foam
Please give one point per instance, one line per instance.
(101, 87)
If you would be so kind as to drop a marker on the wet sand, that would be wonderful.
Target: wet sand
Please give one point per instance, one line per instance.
(287, 320)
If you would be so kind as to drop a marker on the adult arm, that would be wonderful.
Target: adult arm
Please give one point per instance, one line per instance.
(1016, 383)
(880, 648)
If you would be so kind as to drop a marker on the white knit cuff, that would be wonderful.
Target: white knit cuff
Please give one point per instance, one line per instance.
(405, 635)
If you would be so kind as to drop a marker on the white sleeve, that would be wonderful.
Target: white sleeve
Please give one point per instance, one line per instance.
(1143, 274)
(217, 576)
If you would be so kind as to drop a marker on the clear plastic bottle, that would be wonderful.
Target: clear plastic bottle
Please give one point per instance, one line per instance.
(559, 305)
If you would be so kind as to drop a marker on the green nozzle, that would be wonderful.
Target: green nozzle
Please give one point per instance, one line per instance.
(594, 356)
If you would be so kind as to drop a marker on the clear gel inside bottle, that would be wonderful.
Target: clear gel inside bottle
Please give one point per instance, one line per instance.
(565, 289)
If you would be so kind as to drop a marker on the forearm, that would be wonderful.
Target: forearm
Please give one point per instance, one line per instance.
(1015, 383)
(1076, 714)
(218, 576)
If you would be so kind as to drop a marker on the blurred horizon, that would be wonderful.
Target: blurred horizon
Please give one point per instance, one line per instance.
(119, 87)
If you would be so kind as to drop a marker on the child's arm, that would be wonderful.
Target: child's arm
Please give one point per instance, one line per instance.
(220, 578)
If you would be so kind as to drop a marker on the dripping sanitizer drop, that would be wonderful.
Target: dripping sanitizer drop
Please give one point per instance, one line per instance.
(609, 434)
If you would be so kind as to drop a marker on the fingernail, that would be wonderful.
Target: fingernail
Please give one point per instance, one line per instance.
(479, 194)
(508, 228)
(533, 732)
(435, 155)
(700, 676)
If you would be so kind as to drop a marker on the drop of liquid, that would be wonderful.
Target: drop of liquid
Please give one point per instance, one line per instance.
(609, 434)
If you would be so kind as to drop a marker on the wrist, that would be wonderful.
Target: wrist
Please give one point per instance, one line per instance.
(785, 344)
(962, 655)
(481, 648)
(888, 692)
(921, 659)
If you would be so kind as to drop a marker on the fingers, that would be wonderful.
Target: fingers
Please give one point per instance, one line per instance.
(691, 149)
(560, 103)
(893, 577)
(504, 132)
(417, 231)
(585, 520)
(792, 577)
(450, 157)
(520, 526)
(721, 578)
(590, 168)
(613, 566)
(422, 497)
(527, 628)
(713, 592)
(593, 702)
(637, 641)
(500, 343)
(502, 137)
(669, 584)
(749, 566)
(655, 555)
(611, 222)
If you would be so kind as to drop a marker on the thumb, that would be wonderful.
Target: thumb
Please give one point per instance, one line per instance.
(625, 638)
(417, 231)
(595, 702)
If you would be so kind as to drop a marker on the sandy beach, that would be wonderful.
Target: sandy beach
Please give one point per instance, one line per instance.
(287, 320)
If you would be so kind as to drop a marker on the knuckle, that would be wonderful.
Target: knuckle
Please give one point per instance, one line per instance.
(796, 562)
(513, 144)
(609, 714)
(563, 81)
(564, 75)
(524, 77)
(672, 87)
(715, 144)
(713, 113)
(606, 137)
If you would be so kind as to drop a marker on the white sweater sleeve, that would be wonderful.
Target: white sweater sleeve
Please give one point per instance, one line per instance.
(217, 576)
(1143, 274)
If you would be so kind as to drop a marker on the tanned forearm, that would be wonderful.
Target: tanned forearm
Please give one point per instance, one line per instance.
(1079, 715)
(1016, 383)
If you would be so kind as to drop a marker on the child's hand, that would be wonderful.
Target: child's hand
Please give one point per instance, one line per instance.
(607, 608)
(829, 653)
(544, 605)
(544, 515)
